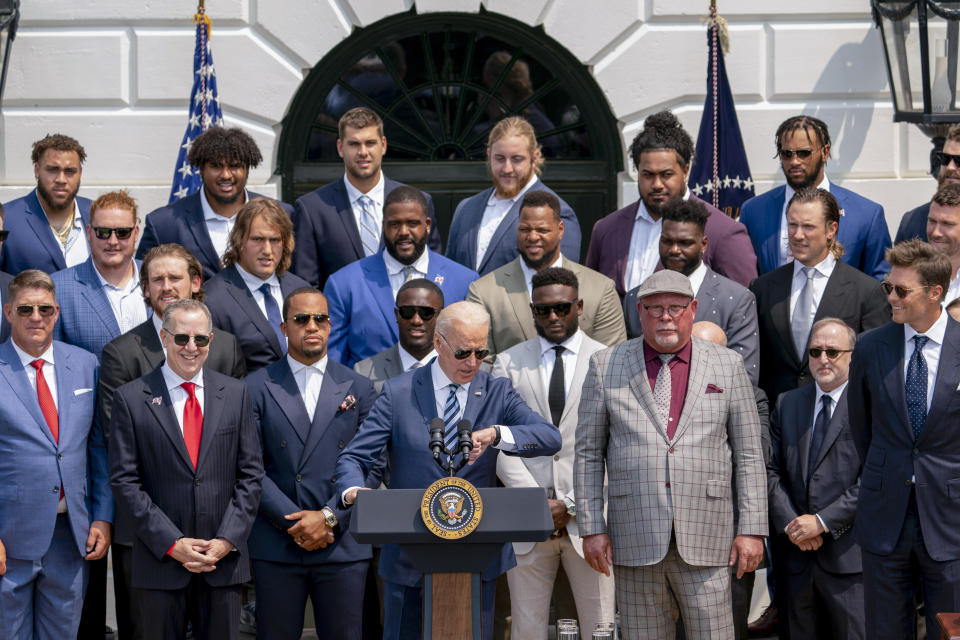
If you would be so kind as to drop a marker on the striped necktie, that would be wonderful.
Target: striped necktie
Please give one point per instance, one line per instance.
(369, 229)
(451, 409)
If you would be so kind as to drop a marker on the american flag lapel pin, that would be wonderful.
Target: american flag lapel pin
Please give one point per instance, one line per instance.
(438, 280)
(156, 401)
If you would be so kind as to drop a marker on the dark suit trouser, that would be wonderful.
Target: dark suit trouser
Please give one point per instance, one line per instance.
(818, 604)
(128, 618)
(890, 582)
(94, 616)
(213, 611)
(403, 611)
(336, 591)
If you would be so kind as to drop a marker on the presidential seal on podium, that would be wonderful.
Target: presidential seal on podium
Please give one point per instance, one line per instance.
(451, 508)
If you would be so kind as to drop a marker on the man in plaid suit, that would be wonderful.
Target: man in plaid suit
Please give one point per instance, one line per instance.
(671, 445)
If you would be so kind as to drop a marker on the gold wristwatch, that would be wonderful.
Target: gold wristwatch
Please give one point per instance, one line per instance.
(330, 517)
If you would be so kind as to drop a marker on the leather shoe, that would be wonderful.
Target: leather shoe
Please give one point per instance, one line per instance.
(765, 625)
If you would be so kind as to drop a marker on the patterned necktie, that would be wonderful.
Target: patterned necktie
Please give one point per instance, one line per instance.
(803, 313)
(450, 410)
(273, 315)
(410, 273)
(662, 393)
(819, 427)
(369, 229)
(192, 422)
(556, 394)
(916, 386)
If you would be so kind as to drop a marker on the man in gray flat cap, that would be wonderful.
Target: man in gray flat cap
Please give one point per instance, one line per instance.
(673, 422)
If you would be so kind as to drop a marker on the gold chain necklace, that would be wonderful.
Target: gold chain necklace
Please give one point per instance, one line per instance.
(63, 233)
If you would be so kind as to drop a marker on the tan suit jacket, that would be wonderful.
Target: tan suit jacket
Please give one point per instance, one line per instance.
(503, 292)
(656, 486)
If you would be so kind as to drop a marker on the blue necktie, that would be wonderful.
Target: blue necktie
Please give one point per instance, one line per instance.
(917, 386)
(819, 427)
(273, 315)
(450, 410)
(369, 229)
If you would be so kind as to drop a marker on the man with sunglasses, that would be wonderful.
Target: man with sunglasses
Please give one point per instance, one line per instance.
(362, 294)
(307, 409)
(5, 279)
(803, 147)
(419, 301)
(548, 372)
(185, 463)
(506, 291)
(903, 416)
(454, 388)
(55, 501)
(913, 224)
(813, 482)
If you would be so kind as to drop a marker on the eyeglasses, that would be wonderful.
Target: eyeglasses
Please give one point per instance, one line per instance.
(902, 292)
(407, 311)
(788, 154)
(832, 354)
(657, 311)
(559, 308)
(946, 158)
(463, 354)
(181, 339)
(3, 234)
(304, 318)
(104, 233)
(26, 310)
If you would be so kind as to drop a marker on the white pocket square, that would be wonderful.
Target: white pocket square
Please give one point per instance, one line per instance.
(77, 392)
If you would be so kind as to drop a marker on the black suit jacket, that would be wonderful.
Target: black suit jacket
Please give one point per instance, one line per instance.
(234, 310)
(182, 222)
(830, 491)
(154, 480)
(327, 235)
(913, 224)
(850, 295)
(5, 279)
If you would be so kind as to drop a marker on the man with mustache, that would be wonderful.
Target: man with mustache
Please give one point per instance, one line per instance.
(913, 224)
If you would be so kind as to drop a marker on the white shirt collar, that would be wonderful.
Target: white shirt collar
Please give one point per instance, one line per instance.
(697, 277)
(494, 199)
(824, 184)
(936, 332)
(824, 267)
(26, 358)
(375, 194)
(572, 343)
(296, 366)
(407, 360)
(440, 379)
(834, 396)
(253, 282)
(528, 273)
(395, 267)
(173, 380)
(132, 283)
(209, 213)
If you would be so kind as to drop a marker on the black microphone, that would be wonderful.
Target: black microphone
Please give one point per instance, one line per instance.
(465, 432)
(436, 437)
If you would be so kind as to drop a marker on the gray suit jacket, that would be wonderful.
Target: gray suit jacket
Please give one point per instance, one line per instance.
(381, 367)
(521, 364)
(504, 295)
(657, 486)
(723, 302)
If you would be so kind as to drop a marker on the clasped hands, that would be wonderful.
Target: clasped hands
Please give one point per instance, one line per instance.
(198, 555)
(805, 532)
(311, 531)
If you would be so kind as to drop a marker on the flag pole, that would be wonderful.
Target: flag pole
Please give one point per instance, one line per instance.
(715, 193)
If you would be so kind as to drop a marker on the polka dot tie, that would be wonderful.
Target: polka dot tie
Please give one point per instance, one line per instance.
(662, 392)
(916, 386)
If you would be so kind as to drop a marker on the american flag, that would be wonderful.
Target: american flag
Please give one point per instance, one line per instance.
(204, 110)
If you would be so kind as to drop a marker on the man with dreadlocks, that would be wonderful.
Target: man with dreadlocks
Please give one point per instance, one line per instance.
(202, 222)
(803, 146)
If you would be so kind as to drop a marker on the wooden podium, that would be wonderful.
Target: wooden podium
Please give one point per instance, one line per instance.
(451, 568)
(949, 626)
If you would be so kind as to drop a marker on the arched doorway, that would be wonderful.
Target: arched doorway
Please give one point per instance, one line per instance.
(439, 82)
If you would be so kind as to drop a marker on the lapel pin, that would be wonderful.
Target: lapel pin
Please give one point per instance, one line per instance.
(477, 393)
(157, 401)
(438, 279)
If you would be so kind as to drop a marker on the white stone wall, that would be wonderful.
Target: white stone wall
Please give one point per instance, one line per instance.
(116, 74)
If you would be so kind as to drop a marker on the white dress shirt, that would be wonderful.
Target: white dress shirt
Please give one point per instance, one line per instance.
(931, 352)
(395, 269)
(76, 250)
(697, 277)
(497, 209)
(953, 291)
(785, 256)
(376, 195)
(528, 273)
(127, 304)
(821, 274)
(218, 226)
(408, 362)
(441, 389)
(309, 379)
(179, 395)
(548, 358)
(254, 283)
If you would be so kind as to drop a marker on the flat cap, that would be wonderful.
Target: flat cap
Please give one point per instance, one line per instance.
(665, 281)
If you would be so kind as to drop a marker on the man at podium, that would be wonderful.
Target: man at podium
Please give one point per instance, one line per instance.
(453, 389)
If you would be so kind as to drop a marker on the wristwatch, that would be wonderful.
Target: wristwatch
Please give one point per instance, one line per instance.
(330, 517)
(496, 440)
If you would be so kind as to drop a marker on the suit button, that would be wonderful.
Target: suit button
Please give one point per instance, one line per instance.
(299, 478)
(333, 479)
(907, 483)
(556, 457)
(341, 445)
(670, 450)
(916, 451)
(667, 485)
(196, 482)
(56, 489)
(59, 456)
(283, 444)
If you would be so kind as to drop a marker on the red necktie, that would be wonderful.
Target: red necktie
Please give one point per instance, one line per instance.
(47, 406)
(192, 423)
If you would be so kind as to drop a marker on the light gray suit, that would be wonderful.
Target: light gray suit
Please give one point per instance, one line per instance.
(723, 302)
(530, 588)
(381, 367)
(504, 295)
(670, 501)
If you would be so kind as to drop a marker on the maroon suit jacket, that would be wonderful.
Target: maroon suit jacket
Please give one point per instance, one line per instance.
(729, 251)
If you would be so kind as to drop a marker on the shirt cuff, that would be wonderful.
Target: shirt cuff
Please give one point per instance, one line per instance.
(343, 496)
(507, 443)
(172, 546)
(822, 523)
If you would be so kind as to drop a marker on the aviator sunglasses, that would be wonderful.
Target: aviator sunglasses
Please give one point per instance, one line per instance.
(407, 311)
(26, 310)
(832, 354)
(181, 339)
(463, 354)
(902, 292)
(103, 233)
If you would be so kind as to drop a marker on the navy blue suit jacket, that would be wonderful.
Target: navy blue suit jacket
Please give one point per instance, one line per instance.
(154, 479)
(361, 304)
(890, 457)
(400, 424)
(327, 235)
(234, 310)
(913, 224)
(182, 222)
(5, 279)
(462, 239)
(862, 232)
(31, 244)
(831, 491)
(299, 458)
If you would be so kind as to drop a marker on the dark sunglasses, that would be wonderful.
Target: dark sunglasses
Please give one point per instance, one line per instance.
(407, 311)
(181, 339)
(946, 158)
(26, 310)
(803, 154)
(304, 318)
(559, 308)
(3, 234)
(832, 354)
(902, 292)
(463, 354)
(103, 233)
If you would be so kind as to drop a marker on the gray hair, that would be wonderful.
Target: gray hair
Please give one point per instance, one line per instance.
(464, 312)
(186, 305)
(851, 334)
